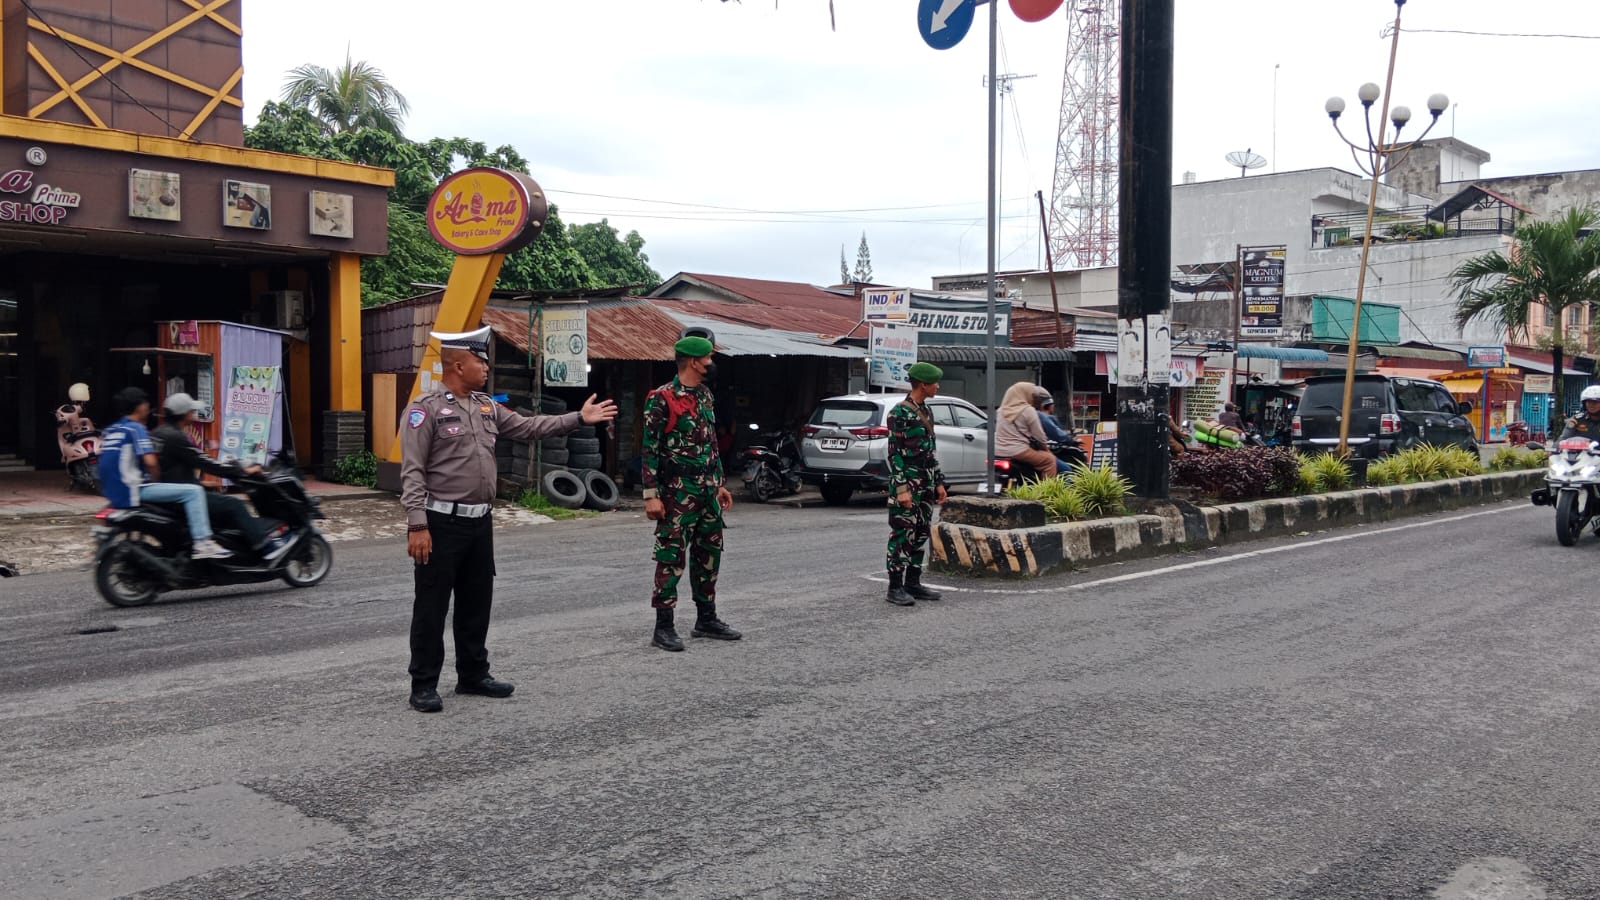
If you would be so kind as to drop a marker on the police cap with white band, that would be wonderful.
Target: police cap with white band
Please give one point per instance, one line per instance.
(475, 342)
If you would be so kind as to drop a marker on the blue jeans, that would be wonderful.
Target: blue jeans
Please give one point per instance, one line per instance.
(193, 498)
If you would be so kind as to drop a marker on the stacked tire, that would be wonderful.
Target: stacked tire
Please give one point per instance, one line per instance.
(573, 479)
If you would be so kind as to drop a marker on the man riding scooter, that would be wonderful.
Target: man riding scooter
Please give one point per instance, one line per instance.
(1587, 424)
(179, 459)
(128, 468)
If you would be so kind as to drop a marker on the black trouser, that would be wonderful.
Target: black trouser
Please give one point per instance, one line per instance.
(231, 512)
(462, 561)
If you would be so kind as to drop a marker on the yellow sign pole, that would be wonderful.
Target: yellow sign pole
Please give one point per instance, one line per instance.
(481, 214)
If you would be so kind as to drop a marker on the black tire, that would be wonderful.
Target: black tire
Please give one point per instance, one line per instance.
(835, 494)
(554, 443)
(120, 580)
(1569, 521)
(764, 486)
(564, 489)
(584, 431)
(555, 457)
(552, 406)
(583, 445)
(86, 475)
(309, 562)
(602, 492)
(584, 460)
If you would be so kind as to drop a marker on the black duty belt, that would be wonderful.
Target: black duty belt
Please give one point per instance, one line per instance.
(674, 470)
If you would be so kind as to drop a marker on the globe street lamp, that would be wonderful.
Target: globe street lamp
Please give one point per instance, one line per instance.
(1375, 157)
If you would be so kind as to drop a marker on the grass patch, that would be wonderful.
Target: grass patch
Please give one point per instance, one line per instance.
(533, 501)
(1082, 493)
(1426, 462)
(1516, 459)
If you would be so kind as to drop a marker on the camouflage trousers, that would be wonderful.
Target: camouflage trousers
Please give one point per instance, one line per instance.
(692, 528)
(908, 532)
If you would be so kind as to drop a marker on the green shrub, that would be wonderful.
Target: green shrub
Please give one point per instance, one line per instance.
(357, 468)
(1244, 473)
(533, 501)
(1385, 472)
(1102, 489)
(1329, 471)
(1512, 459)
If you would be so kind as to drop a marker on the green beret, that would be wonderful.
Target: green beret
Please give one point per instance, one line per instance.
(925, 372)
(693, 346)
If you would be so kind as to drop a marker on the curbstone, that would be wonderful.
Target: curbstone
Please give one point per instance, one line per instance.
(978, 539)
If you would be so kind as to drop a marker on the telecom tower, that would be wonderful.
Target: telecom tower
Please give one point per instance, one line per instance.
(1083, 217)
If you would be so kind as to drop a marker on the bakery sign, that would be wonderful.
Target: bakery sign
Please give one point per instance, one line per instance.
(27, 198)
(486, 210)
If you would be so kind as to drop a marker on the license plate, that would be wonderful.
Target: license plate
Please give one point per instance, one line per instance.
(834, 443)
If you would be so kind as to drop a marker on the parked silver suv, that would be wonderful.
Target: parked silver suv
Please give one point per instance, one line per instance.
(844, 448)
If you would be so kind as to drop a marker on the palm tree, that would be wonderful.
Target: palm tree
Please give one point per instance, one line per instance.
(354, 95)
(1553, 264)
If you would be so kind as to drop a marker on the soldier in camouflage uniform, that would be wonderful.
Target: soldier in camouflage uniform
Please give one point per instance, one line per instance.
(684, 493)
(915, 485)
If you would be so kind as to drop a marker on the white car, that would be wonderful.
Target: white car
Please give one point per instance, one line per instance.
(844, 448)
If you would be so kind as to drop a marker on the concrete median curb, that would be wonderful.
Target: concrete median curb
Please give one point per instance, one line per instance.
(1173, 526)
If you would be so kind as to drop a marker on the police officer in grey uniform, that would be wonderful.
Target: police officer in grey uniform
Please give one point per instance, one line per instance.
(448, 477)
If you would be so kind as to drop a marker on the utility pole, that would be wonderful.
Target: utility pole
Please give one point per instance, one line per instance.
(1144, 347)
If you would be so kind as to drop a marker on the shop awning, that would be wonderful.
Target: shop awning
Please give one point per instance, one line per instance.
(965, 353)
(1285, 354)
(1534, 364)
(1463, 385)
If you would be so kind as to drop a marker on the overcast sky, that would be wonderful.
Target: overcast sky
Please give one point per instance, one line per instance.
(814, 136)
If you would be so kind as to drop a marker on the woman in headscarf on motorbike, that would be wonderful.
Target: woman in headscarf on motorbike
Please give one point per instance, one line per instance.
(1019, 436)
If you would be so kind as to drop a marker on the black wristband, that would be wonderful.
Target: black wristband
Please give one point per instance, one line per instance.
(410, 528)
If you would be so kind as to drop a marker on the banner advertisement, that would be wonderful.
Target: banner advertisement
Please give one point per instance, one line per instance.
(1262, 283)
(891, 351)
(565, 345)
(247, 414)
(886, 304)
(1486, 357)
(943, 322)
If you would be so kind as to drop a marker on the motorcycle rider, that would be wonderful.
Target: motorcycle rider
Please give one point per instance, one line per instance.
(178, 458)
(129, 470)
(1047, 415)
(1586, 424)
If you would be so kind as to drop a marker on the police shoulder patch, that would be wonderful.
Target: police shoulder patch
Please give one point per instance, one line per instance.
(416, 418)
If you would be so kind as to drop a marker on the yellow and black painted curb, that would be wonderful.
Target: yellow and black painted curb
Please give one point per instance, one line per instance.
(975, 550)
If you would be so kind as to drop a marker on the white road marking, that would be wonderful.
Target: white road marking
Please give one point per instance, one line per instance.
(1217, 561)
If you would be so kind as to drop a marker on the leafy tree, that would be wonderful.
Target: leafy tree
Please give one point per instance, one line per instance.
(354, 95)
(562, 258)
(863, 260)
(1553, 264)
(615, 261)
(844, 268)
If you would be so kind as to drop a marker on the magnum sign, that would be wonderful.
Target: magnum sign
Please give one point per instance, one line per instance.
(484, 210)
(1262, 283)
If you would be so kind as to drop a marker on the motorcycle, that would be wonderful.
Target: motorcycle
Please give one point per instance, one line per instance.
(772, 469)
(79, 441)
(145, 551)
(1572, 486)
(1007, 471)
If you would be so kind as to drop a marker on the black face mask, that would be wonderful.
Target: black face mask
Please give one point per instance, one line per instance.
(710, 373)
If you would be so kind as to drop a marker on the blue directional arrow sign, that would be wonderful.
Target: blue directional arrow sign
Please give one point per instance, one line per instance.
(944, 23)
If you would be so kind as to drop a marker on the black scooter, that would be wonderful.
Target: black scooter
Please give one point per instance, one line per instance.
(772, 469)
(145, 551)
(1009, 471)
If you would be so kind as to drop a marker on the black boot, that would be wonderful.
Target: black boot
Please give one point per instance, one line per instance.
(706, 624)
(914, 586)
(666, 637)
(897, 590)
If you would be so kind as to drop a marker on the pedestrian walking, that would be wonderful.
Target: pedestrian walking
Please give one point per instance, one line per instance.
(448, 479)
(915, 485)
(684, 493)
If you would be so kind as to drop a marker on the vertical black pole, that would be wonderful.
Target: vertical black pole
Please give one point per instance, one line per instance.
(1144, 267)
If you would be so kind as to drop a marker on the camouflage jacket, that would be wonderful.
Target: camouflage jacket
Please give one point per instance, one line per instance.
(680, 440)
(913, 462)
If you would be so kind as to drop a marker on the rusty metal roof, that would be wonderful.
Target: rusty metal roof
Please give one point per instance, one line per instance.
(789, 305)
(625, 329)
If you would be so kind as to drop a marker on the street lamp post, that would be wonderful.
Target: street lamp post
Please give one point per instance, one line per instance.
(1375, 158)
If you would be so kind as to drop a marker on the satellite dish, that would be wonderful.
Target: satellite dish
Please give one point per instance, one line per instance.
(1245, 160)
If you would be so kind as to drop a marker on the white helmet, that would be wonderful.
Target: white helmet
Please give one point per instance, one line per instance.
(1592, 392)
(78, 393)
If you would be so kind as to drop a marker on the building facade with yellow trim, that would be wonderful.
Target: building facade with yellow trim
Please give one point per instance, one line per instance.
(128, 203)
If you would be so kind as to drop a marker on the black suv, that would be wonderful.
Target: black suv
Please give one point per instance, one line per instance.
(1386, 414)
